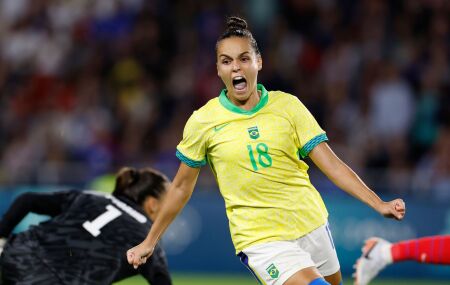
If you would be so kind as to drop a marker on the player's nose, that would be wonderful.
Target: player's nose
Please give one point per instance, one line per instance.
(236, 66)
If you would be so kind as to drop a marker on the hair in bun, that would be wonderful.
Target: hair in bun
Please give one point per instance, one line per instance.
(237, 27)
(236, 23)
(138, 184)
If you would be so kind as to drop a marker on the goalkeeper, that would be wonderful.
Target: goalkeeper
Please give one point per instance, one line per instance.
(87, 236)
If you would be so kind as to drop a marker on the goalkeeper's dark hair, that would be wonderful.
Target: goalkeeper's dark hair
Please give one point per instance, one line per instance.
(137, 185)
(237, 27)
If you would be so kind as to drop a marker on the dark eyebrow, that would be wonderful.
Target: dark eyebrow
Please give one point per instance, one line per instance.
(240, 55)
(224, 55)
(244, 53)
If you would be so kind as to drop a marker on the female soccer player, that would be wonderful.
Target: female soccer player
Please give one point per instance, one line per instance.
(377, 253)
(255, 141)
(86, 239)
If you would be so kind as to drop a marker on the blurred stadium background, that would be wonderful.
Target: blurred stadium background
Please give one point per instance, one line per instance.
(89, 86)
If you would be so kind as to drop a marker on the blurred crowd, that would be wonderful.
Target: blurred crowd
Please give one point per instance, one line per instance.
(89, 86)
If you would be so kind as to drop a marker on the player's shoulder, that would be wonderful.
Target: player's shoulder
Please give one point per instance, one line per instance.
(207, 113)
(68, 195)
(83, 197)
(212, 105)
(278, 95)
(285, 99)
(95, 193)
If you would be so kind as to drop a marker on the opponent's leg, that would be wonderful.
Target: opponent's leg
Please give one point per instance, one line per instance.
(433, 250)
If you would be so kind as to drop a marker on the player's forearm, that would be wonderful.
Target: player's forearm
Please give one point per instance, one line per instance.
(179, 193)
(343, 176)
(173, 203)
(346, 179)
(39, 203)
(16, 212)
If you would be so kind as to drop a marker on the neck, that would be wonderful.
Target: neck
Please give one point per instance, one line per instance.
(251, 101)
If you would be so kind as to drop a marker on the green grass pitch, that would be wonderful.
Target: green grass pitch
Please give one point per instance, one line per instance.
(209, 279)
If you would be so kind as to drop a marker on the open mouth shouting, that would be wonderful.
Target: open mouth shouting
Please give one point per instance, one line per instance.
(240, 84)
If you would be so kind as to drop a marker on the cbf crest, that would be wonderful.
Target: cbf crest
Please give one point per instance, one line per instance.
(253, 132)
(273, 271)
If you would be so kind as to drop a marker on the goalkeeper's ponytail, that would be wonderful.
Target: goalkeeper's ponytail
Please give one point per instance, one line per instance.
(137, 185)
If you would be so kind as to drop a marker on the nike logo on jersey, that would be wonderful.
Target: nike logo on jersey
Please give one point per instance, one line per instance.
(219, 127)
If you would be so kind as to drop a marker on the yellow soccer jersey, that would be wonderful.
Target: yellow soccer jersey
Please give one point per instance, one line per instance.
(256, 158)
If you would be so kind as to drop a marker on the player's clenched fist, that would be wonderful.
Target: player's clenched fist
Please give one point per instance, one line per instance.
(138, 255)
(393, 209)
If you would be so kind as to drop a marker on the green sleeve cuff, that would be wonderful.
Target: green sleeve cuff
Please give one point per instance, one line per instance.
(189, 162)
(306, 149)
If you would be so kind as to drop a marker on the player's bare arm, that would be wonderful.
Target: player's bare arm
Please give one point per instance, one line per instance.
(346, 179)
(178, 195)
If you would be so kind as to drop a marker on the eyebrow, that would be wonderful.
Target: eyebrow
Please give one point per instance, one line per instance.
(242, 54)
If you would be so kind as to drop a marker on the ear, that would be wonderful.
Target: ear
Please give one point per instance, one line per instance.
(259, 62)
(217, 67)
(151, 207)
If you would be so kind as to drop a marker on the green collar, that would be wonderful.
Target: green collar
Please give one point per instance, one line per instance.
(223, 99)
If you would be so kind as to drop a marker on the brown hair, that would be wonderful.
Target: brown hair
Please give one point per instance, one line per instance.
(237, 27)
(137, 185)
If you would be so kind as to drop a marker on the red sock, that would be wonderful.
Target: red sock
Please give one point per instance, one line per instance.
(434, 249)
